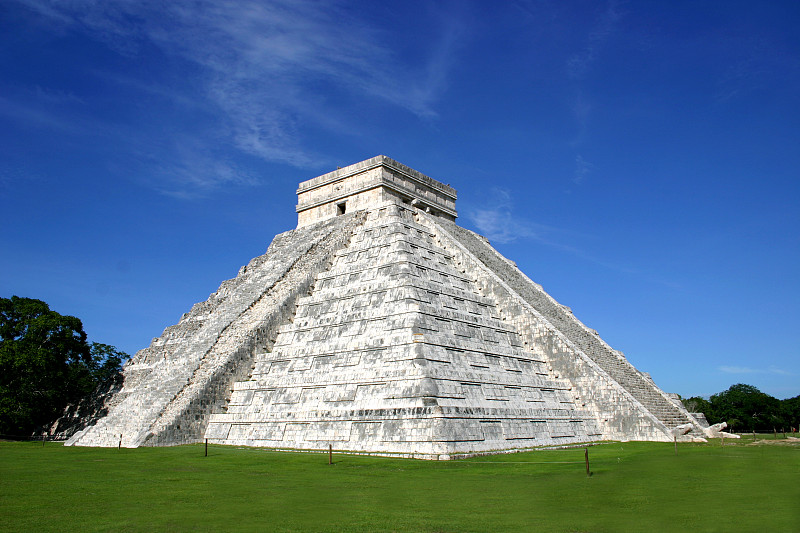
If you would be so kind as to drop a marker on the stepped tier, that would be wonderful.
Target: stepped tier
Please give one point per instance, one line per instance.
(171, 387)
(379, 326)
(622, 397)
(396, 351)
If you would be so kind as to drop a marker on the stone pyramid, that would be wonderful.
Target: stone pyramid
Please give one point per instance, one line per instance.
(380, 326)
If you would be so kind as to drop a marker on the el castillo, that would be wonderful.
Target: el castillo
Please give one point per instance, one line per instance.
(380, 326)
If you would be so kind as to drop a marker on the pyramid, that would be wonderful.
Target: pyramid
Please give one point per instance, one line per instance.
(380, 326)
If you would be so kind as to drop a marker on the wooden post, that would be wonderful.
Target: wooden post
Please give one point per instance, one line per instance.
(119, 446)
(206, 448)
(775, 431)
(754, 435)
(586, 457)
(330, 454)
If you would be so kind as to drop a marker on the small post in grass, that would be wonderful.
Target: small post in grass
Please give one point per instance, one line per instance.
(775, 431)
(586, 457)
(119, 446)
(330, 454)
(754, 435)
(206, 448)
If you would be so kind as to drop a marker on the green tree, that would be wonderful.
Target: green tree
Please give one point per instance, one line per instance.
(45, 364)
(791, 412)
(746, 405)
(734, 424)
(698, 404)
(106, 361)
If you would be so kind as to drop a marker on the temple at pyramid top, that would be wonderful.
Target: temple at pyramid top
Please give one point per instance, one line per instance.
(367, 184)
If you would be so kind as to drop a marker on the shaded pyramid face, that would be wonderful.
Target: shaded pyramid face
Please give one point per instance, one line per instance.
(379, 326)
(396, 351)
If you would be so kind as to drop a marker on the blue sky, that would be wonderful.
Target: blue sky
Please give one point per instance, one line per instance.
(639, 160)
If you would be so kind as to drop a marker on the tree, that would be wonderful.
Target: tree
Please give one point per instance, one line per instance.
(791, 412)
(45, 364)
(106, 361)
(733, 424)
(745, 408)
(745, 405)
(698, 404)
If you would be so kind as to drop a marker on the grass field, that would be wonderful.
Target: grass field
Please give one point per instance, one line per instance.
(634, 487)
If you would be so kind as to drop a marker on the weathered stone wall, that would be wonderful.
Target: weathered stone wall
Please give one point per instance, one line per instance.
(89, 410)
(623, 397)
(231, 358)
(172, 386)
(367, 184)
(395, 352)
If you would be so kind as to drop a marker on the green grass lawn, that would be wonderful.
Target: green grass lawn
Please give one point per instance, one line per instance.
(634, 487)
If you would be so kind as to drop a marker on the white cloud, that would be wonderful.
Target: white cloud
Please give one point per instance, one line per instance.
(10, 176)
(578, 64)
(56, 97)
(496, 221)
(582, 169)
(747, 370)
(581, 109)
(31, 114)
(190, 172)
(757, 62)
(265, 67)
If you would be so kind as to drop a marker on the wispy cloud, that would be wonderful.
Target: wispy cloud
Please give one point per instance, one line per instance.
(10, 176)
(581, 108)
(190, 171)
(759, 62)
(24, 111)
(496, 220)
(582, 169)
(261, 65)
(56, 97)
(748, 370)
(578, 64)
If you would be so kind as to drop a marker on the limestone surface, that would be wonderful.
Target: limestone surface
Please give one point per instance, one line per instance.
(171, 387)
(397, 351)
(381, 326)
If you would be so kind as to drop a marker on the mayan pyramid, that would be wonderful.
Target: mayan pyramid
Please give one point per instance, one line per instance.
(380, 326)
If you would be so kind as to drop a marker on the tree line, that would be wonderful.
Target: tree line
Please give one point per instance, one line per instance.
(46, 364)
(745, 408)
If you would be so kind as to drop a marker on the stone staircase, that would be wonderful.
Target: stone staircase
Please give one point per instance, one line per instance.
(171, 387)
(587, 340)
(396, 351)
(231, 358)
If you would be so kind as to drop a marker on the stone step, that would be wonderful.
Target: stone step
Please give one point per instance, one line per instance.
(619, 369)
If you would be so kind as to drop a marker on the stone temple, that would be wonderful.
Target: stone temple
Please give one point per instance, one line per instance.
(380, 326)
